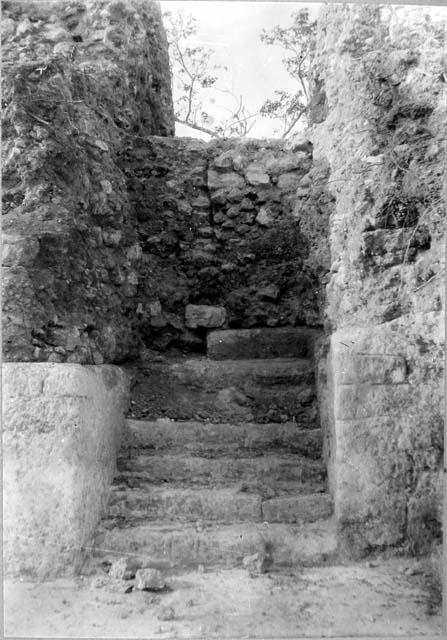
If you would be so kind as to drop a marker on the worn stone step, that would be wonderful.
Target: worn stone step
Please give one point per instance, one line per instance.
(264, 486)
(276, 390)
(226, 505)
(225, 438)
(185, 505)
(179, 467)
(213, 545)
(286, 342)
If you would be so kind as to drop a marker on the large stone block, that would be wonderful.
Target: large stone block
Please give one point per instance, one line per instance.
(61, 432)
(225, 180)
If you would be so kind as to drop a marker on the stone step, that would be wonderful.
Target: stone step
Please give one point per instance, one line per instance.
(225, 505)
(265, 487)
(286, 342)
(276, 390)
(307, 544)
(178, 467)
(226, 439)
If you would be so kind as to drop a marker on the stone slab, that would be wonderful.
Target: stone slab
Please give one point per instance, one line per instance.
(62, 426)
(288, 342)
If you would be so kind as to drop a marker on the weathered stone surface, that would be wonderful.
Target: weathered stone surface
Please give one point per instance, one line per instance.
(224, 180)
(255, 175)
(299, 544)
(388, 424)
(289, 181)
(306, 508)
(204, 316)
(264, 217)
(186, 505)
(278, 166)
(385, 301)
(61, 432)
(149, 580)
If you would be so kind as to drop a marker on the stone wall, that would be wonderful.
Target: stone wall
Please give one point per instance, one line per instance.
(379, 122)
(224, 239)
(80, 79)
(61, 428)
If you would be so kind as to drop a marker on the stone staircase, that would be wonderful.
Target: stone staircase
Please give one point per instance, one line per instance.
(222, 457)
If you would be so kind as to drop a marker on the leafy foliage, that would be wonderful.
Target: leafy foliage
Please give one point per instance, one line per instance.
(298, 43)
(194, 72)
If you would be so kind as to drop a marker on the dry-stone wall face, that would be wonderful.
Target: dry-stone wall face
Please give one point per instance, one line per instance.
(222, 236)
(80, 79)
(379, 121)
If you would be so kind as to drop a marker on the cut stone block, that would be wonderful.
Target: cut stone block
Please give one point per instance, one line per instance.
(255, 175)
(61, 433)
(204, 316)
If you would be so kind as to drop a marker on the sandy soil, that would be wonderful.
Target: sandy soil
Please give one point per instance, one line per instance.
(376, 599)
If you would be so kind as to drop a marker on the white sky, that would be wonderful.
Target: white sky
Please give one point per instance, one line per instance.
(232, 29)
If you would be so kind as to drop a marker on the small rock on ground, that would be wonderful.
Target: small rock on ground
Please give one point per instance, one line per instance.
(149, 580)
(124, 568)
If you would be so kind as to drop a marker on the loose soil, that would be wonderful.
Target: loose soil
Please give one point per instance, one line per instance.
(376, 599)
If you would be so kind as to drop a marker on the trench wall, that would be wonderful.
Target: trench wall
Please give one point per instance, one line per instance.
(80, 79)
(379, 122)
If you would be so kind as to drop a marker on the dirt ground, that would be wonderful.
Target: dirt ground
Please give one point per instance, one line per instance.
(369, 599)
